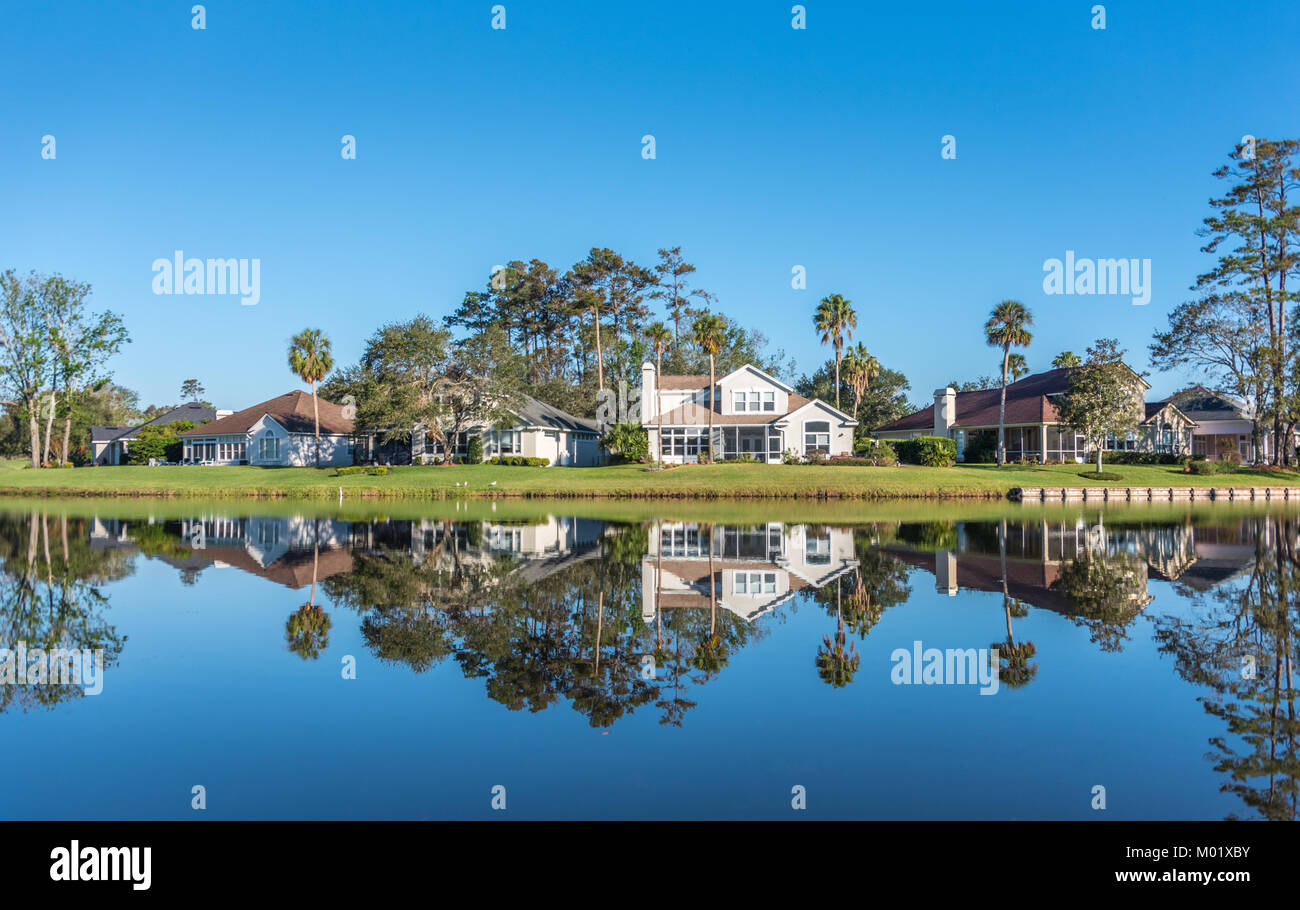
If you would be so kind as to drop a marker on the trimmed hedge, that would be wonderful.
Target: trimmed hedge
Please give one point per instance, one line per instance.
(1143, 458)
(1213, 467)
(930, 451)
(373, 470)
(519, 461)
(1100, 475)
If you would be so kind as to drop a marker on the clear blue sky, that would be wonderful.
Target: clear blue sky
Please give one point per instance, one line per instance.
(775, 147)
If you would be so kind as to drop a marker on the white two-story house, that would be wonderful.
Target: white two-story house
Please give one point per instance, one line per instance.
(754, 414)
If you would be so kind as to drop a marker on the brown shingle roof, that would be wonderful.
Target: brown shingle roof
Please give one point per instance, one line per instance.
(1027, 402)
(292, 410)
(676, 383)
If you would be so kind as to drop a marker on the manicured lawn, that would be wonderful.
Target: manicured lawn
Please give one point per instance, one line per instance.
(724, 481)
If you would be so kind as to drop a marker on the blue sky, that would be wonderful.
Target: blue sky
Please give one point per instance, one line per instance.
(775, 147)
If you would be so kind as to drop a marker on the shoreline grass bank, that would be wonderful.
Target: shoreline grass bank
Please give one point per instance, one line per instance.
(738, 482)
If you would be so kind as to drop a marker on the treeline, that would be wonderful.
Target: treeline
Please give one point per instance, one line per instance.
(1240, 331)
(591, 326)
(53, 356)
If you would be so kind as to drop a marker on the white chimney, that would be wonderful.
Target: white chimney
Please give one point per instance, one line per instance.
(945, 410)
(649, 400)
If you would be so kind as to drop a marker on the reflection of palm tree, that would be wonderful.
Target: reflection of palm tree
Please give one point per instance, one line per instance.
(1015, 660)
(308, 628)
(711, 654)
(836, 664)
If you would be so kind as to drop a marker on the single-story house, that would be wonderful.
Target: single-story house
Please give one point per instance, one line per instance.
(1223, 423)
(109, 445)
(753, 414)
(537, 431)
(1034, 431)
(280, 431)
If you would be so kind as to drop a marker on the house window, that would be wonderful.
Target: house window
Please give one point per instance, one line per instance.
(817, 551)
(817, 435)
(739, 401)
(268, 448)
(755, 583)
(769, 401)
(505, 442)
(684, 441)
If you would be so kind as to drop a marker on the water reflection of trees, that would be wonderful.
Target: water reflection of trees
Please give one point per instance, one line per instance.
(52, 596)
(1242, 647)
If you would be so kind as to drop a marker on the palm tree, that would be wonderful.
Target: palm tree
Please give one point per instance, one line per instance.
(1017, 367)
(860, 368)
(836, 320)
(661, 338)
(1067, 359)
(1007, 326)
(709, 331)
(309, 357)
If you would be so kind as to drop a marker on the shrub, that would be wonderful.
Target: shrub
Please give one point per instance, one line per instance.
(1100, 475)
(790, 456)
(743, 458)
(981, 447)
(345, 472)
(1211, 467)
(816, 456)
(627, 442)
(474, 450)
(930, 451)
(377, 470)
(519, 461)
(876, 452)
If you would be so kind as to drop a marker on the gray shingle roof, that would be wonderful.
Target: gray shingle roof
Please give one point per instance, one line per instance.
(195, 413)
(536, 413)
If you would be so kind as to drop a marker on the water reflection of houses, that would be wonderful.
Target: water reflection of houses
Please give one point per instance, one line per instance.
(295, 550)
(754, 569)
(1039, 552)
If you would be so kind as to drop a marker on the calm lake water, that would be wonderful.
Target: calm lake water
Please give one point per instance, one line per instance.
(376, 665)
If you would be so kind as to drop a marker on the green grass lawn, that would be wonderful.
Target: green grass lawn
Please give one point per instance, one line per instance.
(723, 481)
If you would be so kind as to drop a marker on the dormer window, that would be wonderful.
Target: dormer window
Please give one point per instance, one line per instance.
(753, 402)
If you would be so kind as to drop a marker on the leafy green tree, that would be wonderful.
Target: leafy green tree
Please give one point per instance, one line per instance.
(1222, 338)
(191, 390)
(310, 359)
(161, 442)
(1065, 360)
(1104, 397)
(1007, 327)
